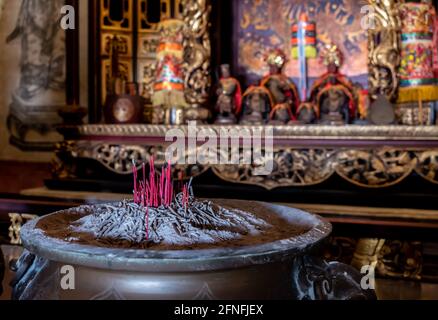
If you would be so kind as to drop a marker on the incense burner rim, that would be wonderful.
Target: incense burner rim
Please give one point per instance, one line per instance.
(126, 259)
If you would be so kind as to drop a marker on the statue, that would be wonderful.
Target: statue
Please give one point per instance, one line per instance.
(229, 102)
(333, 94)
(257, 102)
(42, 48)
(33, 112)
(283, 91)
(335, 103)
(307, 113)
(384, 48)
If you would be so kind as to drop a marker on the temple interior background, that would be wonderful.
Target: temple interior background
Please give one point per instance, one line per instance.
(352, 102)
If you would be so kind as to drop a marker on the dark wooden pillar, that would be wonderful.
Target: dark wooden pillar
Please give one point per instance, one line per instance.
(72, 58)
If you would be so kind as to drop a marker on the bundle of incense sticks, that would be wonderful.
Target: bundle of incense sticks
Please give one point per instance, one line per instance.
(157, 190)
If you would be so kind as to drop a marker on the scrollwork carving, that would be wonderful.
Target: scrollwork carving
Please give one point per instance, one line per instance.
(16, 224)
(401, 259)
(197, 46)
(384, 48)
(62, 165)
(291, 167)
(427, 166)
(375, 168)
(118, 158)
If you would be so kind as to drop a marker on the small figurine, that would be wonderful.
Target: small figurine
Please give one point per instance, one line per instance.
(307, 113)
(283, 91)
(333, 94)
(334, 101)
(229, 102)
(281, 114)
(257, 102)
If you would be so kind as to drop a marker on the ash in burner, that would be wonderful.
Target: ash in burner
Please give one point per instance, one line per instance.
(128, 224)
(157, 219)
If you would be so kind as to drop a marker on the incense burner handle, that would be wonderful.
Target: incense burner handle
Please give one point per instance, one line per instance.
(316, 279)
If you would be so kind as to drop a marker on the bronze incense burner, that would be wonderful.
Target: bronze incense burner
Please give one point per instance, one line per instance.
(284, 269)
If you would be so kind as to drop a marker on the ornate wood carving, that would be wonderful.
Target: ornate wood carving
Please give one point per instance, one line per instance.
(384, 48)
(196, 15)
(17, 221)
(372, 166)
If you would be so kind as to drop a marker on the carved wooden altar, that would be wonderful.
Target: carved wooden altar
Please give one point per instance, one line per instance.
(367, 156)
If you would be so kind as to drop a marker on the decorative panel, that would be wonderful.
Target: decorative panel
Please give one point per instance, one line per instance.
(150, 14)
(134, 22)
(116, 20)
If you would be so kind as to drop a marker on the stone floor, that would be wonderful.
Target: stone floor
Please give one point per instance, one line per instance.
(385, 289)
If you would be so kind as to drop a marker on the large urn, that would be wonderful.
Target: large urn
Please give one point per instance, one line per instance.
(285, 269)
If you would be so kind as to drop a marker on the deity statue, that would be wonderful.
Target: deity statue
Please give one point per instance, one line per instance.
(334, 103)
(257, 102)
(307, 113)
(229, 102)
(333, 94)
(40, 93)
(42, 48)
(283, 91)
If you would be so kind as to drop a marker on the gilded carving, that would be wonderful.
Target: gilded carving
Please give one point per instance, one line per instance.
(17, 221)
(375, 168)
(291, 167)
(401, 259)
(119, 158)
(197, 47)
(371, 167)
(384, 48)
(427, 166)
(123, 24)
